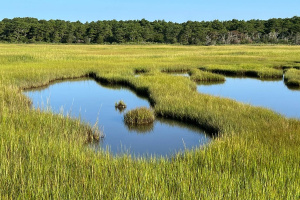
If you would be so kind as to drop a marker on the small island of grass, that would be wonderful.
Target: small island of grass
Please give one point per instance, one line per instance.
(121, 104)
(140, 115)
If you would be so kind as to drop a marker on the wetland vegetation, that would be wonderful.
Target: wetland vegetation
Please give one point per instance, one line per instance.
(93, 103)
(43, 155)
(204, 76)
(140, 115)
(292, 78)
(120, 105)
(272, 94)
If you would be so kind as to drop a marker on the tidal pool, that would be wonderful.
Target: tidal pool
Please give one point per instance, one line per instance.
(92, 102)
(274, 95)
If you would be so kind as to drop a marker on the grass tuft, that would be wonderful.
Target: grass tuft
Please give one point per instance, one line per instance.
(121, 104)
(140, 115)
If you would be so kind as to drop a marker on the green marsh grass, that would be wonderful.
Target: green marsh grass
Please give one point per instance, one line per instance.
(137, 116)
(204, 76)
(121, 104)
(44, 155)
(292, 77)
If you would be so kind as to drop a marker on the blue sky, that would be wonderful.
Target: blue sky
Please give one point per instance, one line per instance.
(169, 10)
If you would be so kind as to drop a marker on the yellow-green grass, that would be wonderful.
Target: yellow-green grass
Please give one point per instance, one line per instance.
(292, 77)
(142, 115)
(204, 76)
(45, 156)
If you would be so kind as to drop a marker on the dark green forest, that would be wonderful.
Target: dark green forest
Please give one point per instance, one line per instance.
(32, 30)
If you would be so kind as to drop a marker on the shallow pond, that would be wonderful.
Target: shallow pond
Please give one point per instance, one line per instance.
(270, 94)
(93, 101)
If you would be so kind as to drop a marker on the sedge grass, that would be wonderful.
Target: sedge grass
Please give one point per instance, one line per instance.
(44, 155)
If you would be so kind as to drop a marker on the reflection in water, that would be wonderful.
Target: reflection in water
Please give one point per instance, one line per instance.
(120, 109)
(270, 94)
(294, 88)
(208, 83)
(140, 128)
(95, 102)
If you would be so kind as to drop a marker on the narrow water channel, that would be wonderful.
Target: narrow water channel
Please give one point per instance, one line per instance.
(94, 102)
(274, 95)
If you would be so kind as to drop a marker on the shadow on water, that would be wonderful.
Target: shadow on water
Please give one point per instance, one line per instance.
(118, 87)
(95, 102)
(255, 78)
(272, 94)
(293, 88)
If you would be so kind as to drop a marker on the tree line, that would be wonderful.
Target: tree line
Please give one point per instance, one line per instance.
(32, 30)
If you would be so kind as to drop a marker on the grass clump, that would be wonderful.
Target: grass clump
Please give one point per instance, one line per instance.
(292, 78)
(201, 76)
(140, 115)
(121, 104)
(93, 135)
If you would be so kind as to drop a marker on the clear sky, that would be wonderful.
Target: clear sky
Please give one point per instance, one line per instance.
(169, 10)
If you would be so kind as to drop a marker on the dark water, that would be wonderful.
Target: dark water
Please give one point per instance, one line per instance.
(270, 94)
(92, 101)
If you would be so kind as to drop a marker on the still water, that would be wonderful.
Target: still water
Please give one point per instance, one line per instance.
(94, 102)
(270, 94)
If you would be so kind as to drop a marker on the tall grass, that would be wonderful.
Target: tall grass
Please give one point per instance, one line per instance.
(45, 156)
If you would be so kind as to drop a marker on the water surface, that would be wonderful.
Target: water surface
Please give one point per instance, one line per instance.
(185, 74)
(270, 94)
(95, 102)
